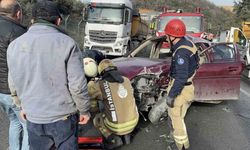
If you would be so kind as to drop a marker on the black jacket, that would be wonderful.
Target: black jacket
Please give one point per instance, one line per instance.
(183, 65)
(9, 31)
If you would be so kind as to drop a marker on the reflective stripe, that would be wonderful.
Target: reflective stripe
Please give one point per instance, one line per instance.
(113, 115)
(192, 49)
(122, 127)
(181, 139)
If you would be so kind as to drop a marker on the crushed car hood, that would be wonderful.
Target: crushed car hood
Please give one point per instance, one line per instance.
(133, 66)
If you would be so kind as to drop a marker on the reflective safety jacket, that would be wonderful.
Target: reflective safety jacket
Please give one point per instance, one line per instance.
(121, 114)
(185, 61)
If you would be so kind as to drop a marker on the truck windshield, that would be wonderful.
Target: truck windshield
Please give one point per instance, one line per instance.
(105, 15)
(193, 23)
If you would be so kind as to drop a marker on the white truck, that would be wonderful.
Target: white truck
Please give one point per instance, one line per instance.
(111, 27)
(236, 35)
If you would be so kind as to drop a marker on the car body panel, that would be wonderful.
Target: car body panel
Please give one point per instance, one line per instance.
(133, 66)
(217, 82)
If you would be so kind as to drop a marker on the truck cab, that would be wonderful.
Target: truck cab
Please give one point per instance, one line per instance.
(108, 26)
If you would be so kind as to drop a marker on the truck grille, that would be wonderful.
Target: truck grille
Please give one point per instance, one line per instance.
(105, 49)
(102, 36)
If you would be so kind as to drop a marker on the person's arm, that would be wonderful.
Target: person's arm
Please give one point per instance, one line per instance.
(77, 83)
(14, 96)
(16, 100)
(181, 76)
(94, 90)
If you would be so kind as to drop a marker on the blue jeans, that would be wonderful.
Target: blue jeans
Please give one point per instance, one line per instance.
(18, 136)
(60, 135)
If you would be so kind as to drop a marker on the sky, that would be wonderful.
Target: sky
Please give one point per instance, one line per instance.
(223, 2)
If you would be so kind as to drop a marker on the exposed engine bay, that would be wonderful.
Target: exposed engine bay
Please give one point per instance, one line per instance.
(148, 88)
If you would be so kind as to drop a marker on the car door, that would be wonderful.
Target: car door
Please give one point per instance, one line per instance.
(238, 37)
(218, 78)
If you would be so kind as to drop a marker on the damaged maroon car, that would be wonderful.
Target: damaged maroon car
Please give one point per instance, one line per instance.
(217, 79)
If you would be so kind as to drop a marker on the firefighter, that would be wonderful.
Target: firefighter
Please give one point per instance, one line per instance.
(90, 71)
(91, 59)
(180, 91)
(185, 61)
(119, 114)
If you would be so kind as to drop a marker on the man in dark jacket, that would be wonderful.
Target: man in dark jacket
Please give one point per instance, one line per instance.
(46, 73)
(10, 29)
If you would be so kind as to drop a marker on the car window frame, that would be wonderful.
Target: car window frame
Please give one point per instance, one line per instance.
(152, 40)
(209, 54)
(203, 46)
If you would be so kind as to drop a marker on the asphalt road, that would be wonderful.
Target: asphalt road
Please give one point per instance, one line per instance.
(224, 126)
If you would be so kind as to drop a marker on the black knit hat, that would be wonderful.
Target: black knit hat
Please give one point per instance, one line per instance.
(45, 10)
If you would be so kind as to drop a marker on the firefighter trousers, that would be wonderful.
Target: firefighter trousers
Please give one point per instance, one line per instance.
(177, 115)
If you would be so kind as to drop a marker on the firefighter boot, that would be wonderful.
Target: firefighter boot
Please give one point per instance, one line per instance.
(157, 110)
(113, 141)
(126, 139)
(172, 146)
(182, 147)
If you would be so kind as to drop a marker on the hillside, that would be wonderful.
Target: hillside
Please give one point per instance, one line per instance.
(228, 8)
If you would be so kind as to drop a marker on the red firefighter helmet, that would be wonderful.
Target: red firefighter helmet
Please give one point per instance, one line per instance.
(175, 28)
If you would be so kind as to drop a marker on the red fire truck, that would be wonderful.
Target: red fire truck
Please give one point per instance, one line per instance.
(194, 23)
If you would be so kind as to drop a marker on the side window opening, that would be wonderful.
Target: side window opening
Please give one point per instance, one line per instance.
(223, 53)
(145, 51)
(128, 17)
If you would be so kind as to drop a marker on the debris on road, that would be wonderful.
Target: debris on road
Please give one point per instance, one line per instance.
(226, 109)
(147, 130)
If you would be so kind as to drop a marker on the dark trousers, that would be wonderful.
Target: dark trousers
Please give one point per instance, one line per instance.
(60, 135)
